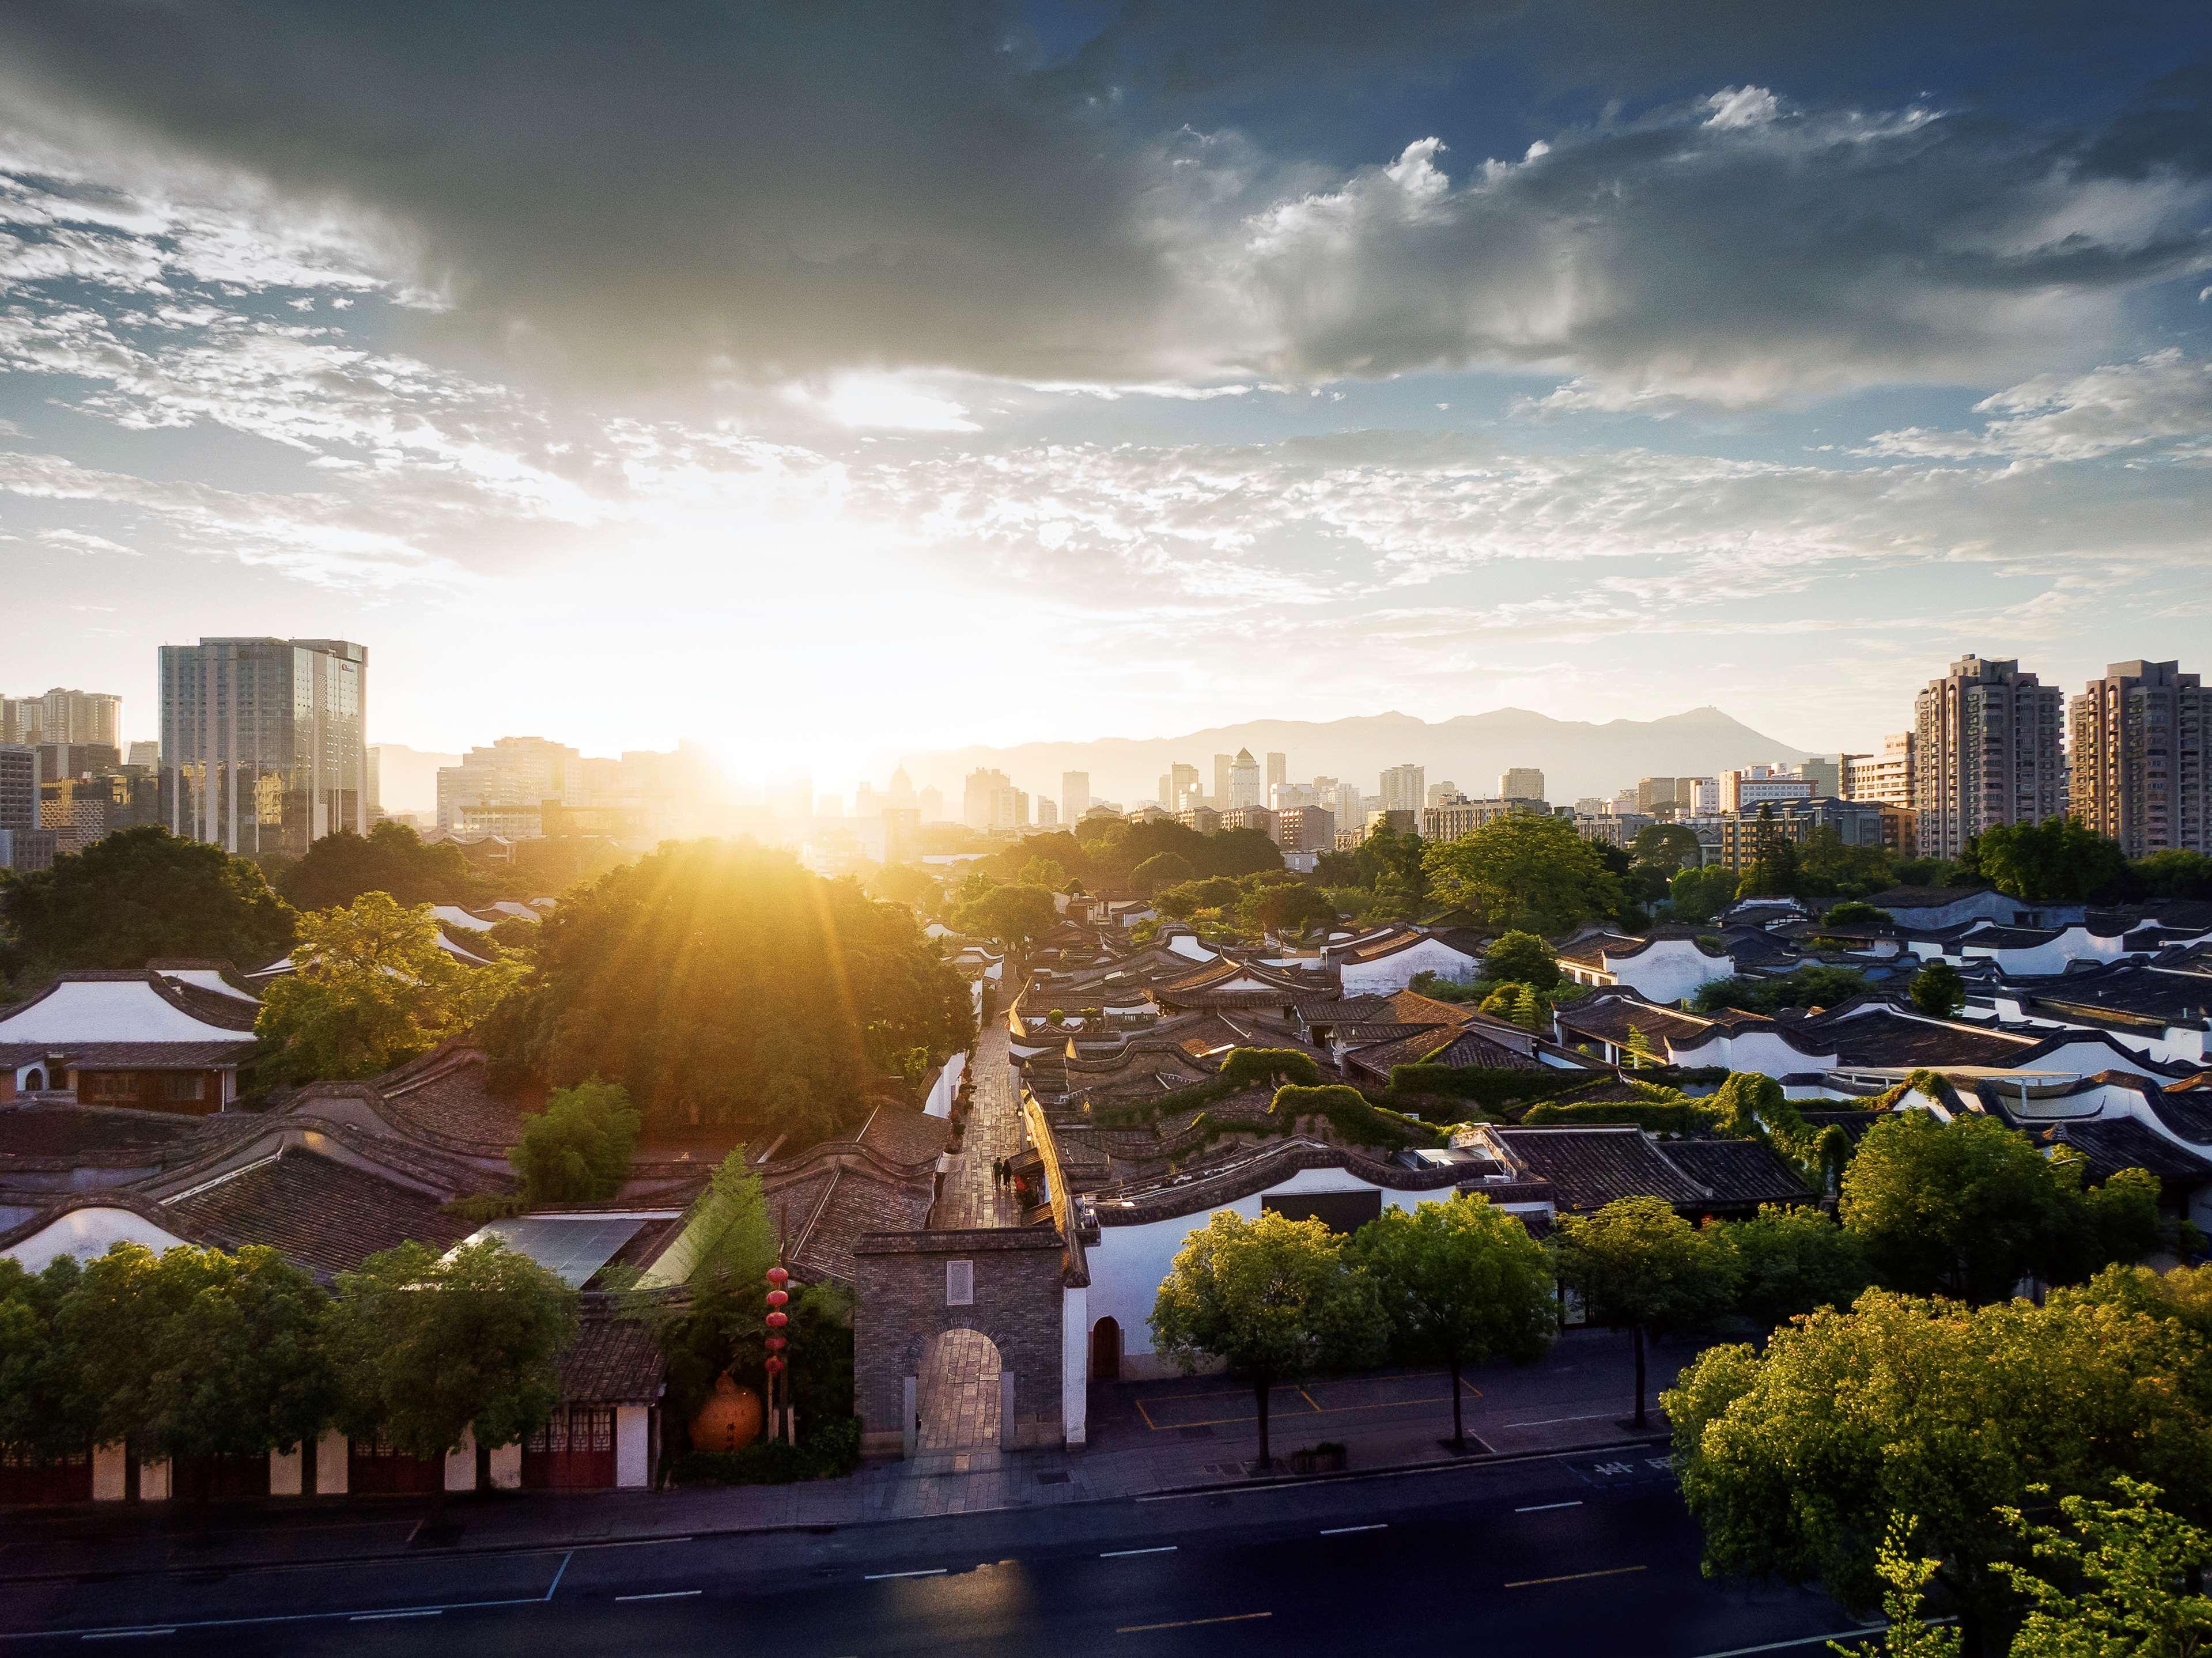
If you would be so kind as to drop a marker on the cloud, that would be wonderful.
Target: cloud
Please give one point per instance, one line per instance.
(2160, 404)
(1152, 210)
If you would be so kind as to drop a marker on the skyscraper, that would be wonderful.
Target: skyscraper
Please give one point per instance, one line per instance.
(1279, 771)
(263, 744)
(2139, 776)
(1520, 783)
(80, 717)
(1402, 789)
(1986, 752)
(515, 771)
(1222, 763)
(1074, 795)
(1182, 787)
(1244, 785)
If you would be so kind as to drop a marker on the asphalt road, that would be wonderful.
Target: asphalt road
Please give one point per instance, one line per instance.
(1589, 1554)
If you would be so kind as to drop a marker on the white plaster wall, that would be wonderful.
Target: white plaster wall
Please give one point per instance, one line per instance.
(87, 1234)
(507, 1467)
(153, 1480)
(1187, 944)
(1754, 1050)
(1127, 1263)
(1075, 1364)
(109, 1011)
(1669, 970)
(633, 1447)
(332, 1469)
(284, 1472)
(461, 1463)
(110, 1472)
(1395, 972)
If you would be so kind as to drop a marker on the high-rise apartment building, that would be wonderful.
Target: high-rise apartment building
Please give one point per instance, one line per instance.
(1222, 765)
(1761, 786)
(19, 719)
(1403, 788)
(147, 756)
(1520, 783)
(1047, 812)
(1351, 807)
(1279, 771)
(1074, 795)
(62, 716)
(515, 771)
(1183, 790)
(18, 786)
(988, 801)
(1886, 777)
(1985, 752)
(1245, 787)
(1437, 793)
(263, 741)
(1455, 820)
(1305, 829)
(2139, 737)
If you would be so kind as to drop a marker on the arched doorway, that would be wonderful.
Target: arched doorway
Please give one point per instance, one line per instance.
(957, 1394)
(1106, 1351)
(34, 1080)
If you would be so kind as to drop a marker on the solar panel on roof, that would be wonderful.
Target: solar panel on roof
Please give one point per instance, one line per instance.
(571, 1247)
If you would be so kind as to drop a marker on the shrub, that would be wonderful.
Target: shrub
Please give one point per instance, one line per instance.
(1486, 1085)
(1344, 1109)
(826, 1450)
(578, 1149)
(1666, 1117)
(1252, 1067)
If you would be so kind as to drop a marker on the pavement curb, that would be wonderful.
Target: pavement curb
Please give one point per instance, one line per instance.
(1221, 1488)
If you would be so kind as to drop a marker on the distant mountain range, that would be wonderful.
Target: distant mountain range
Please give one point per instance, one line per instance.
(1471, 749)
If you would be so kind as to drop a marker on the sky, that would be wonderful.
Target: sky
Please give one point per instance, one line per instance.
(825, 382)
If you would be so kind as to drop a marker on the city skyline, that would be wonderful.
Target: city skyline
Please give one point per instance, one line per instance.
(1873, 352)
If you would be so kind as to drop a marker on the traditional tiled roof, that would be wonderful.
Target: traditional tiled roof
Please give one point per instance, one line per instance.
(1588, 1168)
(134, 1056)
(1925, 897)
(1737, 1171)
(1885, 1038)
(1471, 1046)
(326, 1215)
(47, 1131)
(902, 1135)
(1607, 1018)
(2112, 1144)
(612, 1361)
(1249, 1169)
(857, 1205)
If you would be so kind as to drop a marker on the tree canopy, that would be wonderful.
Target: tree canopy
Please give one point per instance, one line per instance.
(2058, 860)
(1522, 958)
(1015, 917)
(1937, 990)
(1461, 1282)
(1668, 847)
(1795, 1460)
(1530, 874)
(1639, 1266)
(1272, 1298)
(44, 1407)
(1702, 894)
(374, 988)
(1159, 871)
(425, 1348)
(725, 987)
(141, 894)
(578, 1149)
(1786, 1261)
(390, 858)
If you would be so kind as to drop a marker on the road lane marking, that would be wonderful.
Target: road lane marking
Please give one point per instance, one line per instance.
(1347, 1531)
(1545, 1508)
(381, 1617)
(1192, 1623)
(879, 1576)
(1573, 1577)
(1123, 1554)
(1869, 1631)
(664, 1594)
(638, 1543)
(128, 1634)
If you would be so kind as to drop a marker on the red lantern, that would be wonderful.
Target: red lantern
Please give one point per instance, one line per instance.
(777, 1320)
(775, 1367)
(775, 1344)
(777, 1297)
(778, 1277)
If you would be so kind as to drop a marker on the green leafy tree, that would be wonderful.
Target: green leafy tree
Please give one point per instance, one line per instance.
(1938, 991)
(729, 990)
(1794, 1459)
(141, 894)
(2058, 860)
(1806, 986)
(1905, 1577)
(427, 1348)
(1270, 1298)
(1269, 1067)
(1463, 1283)
(45, 1408)
(1702, 895)
(578, 1149)
(1776, 868)
(1792, 1261)
(1047, 872)
(373, 989)
(1852, 912)
(1638, 1265)
(1290, 912)
(2175, 875)
(1526, 874)
(1187, 898)
(1168, 869)
(1966, 1208)
(2116, 1580)
(339, 867)
(909, 885)
(1522, 958)
(195, 1353)
(1637, 1052)
(1666, 847)
(1016, 917)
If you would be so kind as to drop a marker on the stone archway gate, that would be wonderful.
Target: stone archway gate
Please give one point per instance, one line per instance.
(911, 1287)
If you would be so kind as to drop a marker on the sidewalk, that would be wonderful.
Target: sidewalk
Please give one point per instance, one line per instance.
(1146, 1437)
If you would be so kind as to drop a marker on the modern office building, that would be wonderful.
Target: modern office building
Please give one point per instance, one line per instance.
(18, 786)
(1986, 751)
(263, 746)
(515, 771)
(1074, 795)
(1246, 788)
(1305, 829)
(1760, 786)
(2139, 737)
(1403, 787)
(148, 757)
(990, 802)
(1222, 765)
(1520, 783)
(1278, 773)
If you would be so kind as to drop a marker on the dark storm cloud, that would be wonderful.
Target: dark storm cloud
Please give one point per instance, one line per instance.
(775, 191)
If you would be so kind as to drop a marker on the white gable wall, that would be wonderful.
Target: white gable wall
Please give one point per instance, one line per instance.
(1392, 973)
(88, 1233)
(109, 1011)
(1669, 970)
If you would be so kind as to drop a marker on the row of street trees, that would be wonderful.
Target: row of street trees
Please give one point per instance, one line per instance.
(1967, 1209)
(198, 1353)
